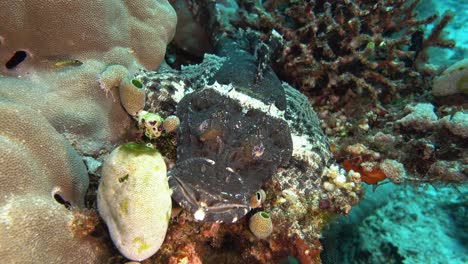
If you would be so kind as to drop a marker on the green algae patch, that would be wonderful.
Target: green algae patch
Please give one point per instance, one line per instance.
(143, 245)
(137, 149)
(462, 84)
(124, 205)
(137, 84)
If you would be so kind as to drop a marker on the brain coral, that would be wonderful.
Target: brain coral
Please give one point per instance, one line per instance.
(38, 169)
(53, 30)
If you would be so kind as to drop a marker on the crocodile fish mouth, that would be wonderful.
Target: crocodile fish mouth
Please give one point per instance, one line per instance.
(200, 190)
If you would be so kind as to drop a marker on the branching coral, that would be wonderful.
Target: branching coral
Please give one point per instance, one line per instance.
(337, 47)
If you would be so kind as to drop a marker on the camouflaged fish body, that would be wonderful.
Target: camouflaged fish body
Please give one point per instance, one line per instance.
(227, 149)
(231, 140)
(235, 134)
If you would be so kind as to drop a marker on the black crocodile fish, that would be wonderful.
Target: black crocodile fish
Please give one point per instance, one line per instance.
(232, 138)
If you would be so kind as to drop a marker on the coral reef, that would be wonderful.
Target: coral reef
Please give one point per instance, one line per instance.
(74, 105)
(457, 124)
(60, 64)
(403, 147)
(249, 162)
(71, 98)
(421, 117)
(362, 238)
(346, 47)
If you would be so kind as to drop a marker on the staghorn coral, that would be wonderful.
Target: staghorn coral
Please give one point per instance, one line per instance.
(335, 47)
(41, 175)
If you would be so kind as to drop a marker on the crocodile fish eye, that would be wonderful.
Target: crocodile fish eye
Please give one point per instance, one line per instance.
(258, 150)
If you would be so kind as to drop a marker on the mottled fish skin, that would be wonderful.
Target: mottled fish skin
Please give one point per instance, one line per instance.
(206, 194)
(240, 69)
(225, 154)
